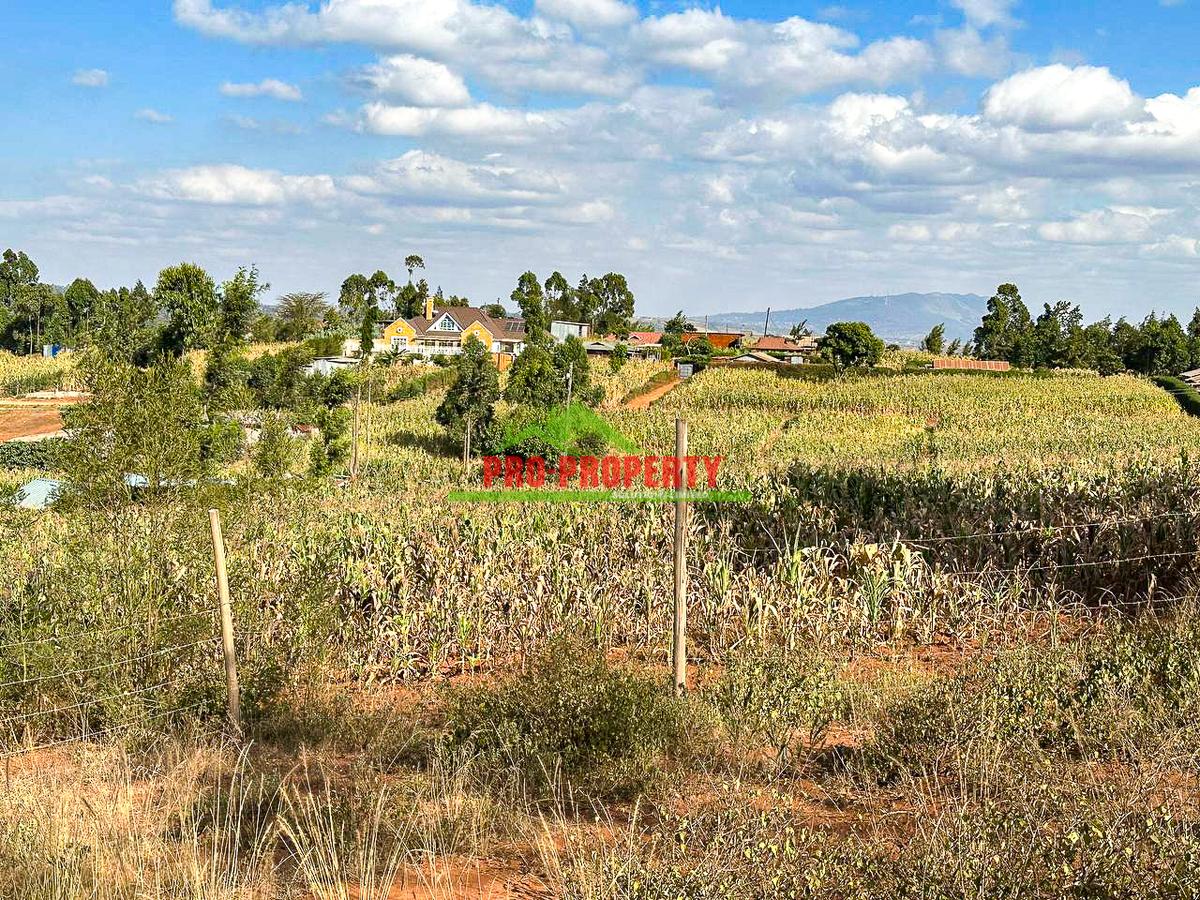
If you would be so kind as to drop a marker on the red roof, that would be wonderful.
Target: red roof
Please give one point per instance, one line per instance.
(780, 344)
(721, 340)
(645, 338)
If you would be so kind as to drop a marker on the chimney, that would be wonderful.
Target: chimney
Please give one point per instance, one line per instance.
(429, 307)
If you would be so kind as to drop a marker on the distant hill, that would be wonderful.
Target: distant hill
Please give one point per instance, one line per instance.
(900, 318)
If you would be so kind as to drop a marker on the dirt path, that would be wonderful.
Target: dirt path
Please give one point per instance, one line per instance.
(642, 401)
(28, 421)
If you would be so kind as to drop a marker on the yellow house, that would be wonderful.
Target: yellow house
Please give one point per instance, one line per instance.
(443, 330)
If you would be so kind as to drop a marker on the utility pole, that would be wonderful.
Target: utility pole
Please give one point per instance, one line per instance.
(570, 381)
(767, 322)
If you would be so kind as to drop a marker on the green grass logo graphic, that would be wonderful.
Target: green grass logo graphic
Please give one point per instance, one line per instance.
(571, 430)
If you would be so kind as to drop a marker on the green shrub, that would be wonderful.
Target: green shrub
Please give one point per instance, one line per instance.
(775, 697)
(41, 455)
(574, 717)
(277, 452)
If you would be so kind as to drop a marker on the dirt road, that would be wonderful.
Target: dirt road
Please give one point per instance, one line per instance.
(641, 401)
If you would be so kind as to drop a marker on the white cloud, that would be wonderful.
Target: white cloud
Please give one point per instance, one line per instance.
(909, 232)
(422, 177)
(587, 14)
(420, 82)
(153, 116)
(1100, 226)
(966, 52)
(982, 13)
(793, 56)
(269, 126)
(268, 87)
(92, 78)
(482, 121)
(231, 184)
(1059, 97)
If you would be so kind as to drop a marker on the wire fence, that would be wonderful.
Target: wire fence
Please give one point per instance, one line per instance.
(23, 720)
(12, 723)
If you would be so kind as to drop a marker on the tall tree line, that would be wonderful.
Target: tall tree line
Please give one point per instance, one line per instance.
(1057, 338)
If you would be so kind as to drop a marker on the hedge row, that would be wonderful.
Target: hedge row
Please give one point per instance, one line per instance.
(30, 454)
(1185, 395)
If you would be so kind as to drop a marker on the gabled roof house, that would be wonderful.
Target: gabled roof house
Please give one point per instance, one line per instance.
(443, 330)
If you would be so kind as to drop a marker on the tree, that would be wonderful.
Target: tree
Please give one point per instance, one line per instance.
(360, 294)
(122, 327)
(16, 270)
(82, 304)
(530, 300)
(1005, 330)
(237, 307)
(935, 341)
(678, 324)
(301, 314)
(533, 379)
(574, 373)
(560, 299)
(851, 344)
(700, 349)
(469, 407)
(618, 358)
(615, 305)
(187, 293)
(277, 452)
(1099, 351)
(1056, 338)
(800, 330)
(142, 422)
(412, 262)
(954, 347)
(495, 310)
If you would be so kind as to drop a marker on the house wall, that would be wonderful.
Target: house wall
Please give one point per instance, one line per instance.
(480, 333)
(401, 329)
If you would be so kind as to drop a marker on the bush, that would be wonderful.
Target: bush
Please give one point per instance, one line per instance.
(221, 444)
(573, 715)
(775, 697)
(277, 452)
(41, 455)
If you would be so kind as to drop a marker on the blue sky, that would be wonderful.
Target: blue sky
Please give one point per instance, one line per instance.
(724, 157)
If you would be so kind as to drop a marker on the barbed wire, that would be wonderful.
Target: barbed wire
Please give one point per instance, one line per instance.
(7, 720)
(61, 637)
(108, 665)
(101, 732)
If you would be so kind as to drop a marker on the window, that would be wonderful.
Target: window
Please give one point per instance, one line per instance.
(398, 342)
(445, 323)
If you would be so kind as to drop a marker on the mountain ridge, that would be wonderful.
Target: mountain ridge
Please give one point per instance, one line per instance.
(901, 318)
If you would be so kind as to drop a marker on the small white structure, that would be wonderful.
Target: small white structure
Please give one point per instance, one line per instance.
(327, 365)
(560, 331)
(39, 493)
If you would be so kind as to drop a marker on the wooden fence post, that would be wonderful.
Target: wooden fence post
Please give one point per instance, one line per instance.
(231, 676)
(679, 644)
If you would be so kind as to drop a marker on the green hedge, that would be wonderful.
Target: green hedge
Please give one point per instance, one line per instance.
(1185, 395)
(41, 455)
